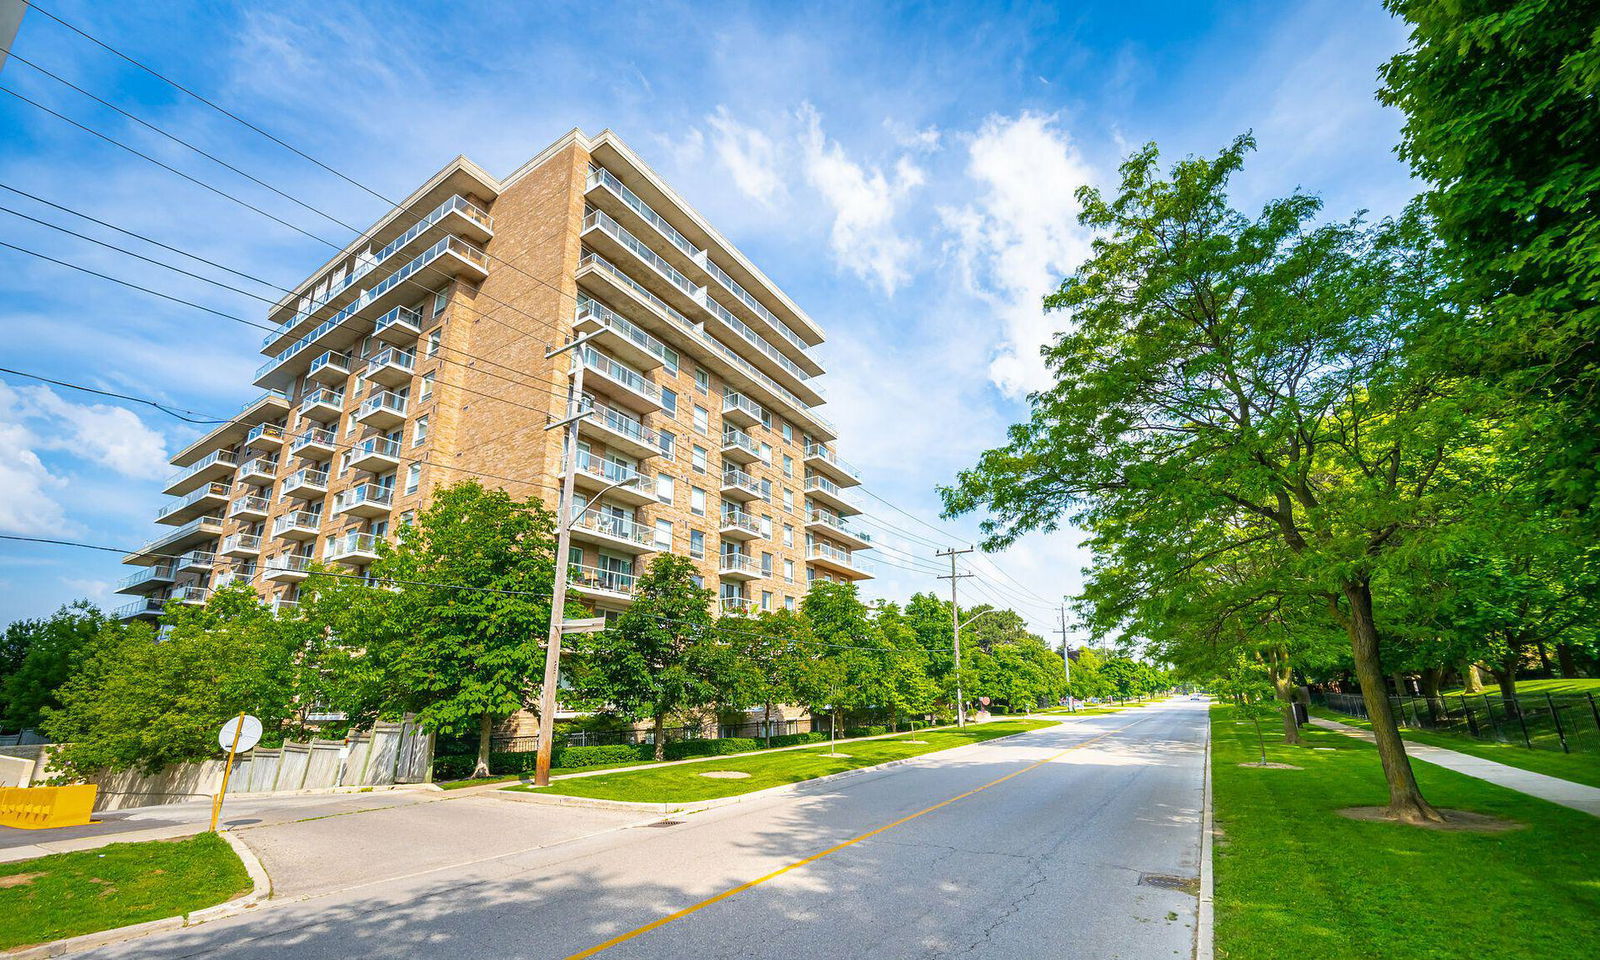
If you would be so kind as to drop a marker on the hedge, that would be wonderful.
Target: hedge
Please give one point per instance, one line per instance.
(874, 731)
(796, 739)
(721, 747)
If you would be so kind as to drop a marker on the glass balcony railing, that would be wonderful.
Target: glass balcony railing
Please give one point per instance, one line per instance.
(323, 397)
(360, 545)
(154, 574)
(381, 402)
(622, 373)
(210, 491)
(825, 551)
(738, 563)
(392, 357)
(738, 401)
(322, 329)
(592, 259)
(640, 249)
(756, 340)
(223, 456)
(456, 204)
(611, 525)
(629, 426)
(598, 578)
(589, 309)
(741, 440)
(823, 485)
(742, 480)
(740, 520)
(746, 298)
(301, 520)
(315, 437)
(613, 472)
(364, 494)
(600, 176)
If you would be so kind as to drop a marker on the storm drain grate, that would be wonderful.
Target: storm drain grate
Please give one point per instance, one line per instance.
(1167, 881)
(664, 823)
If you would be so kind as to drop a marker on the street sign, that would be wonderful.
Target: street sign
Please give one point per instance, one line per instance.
(591, 625)
(249, 730)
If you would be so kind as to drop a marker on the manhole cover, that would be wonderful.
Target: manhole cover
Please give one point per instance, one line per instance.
(664, 823)
(1167, 881)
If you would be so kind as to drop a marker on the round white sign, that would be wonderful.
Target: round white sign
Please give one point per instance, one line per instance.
(249, 730)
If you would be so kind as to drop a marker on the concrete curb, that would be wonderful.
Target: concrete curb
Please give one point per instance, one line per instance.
(1205, 909)
(260, 889)
(696, 806)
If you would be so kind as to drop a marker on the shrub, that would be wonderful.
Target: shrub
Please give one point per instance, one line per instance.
(683, 749)
(453, 766)
(600, 755)
(873, 731)
(796, 739)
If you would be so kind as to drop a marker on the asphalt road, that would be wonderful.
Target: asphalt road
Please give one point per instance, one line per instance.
(1029, 847)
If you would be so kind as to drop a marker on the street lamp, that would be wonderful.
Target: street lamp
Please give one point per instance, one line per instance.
(961, 703)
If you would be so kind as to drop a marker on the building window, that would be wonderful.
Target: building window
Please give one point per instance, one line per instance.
(788, 465)
(669, 445)
(788, 499)
(697, 501)
(413, 478)
(788, 534)
(407, 518)
(669, 402)
(664, 534)
(419, 433)
(766, 599)
(440, 299)
(788, 571)
(788, 433)
(435, 337)
(788, 603)
(702, 381)
(663, 488)
(702, 419)
(766, 454)
(766, 526)
(426, 390)
(766, 564)
(697, 459)
(697, 543)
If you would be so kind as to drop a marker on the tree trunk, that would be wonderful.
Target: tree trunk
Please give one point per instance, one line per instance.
(1569, 666)
(1471, 679)
(1506, 677)
(766, 721)
(1431, 679)
(1400, 688)
(1544, 658)
(1406, 802)
(661, 736)
(1283, 686)
(485, 727)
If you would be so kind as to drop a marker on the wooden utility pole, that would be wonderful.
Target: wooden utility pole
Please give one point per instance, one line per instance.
(955, 627)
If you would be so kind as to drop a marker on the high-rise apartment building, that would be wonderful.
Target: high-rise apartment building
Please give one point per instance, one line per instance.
(417, 357)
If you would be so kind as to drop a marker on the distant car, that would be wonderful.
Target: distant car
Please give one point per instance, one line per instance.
(1198, 696)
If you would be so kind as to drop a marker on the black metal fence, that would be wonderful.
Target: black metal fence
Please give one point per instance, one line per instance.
(593, 738)
(1543, 721)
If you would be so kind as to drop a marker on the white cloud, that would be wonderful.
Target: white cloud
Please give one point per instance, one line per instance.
(37, 419)
(29, 506)
(1020, 236)
(750, 155)
(864, 202)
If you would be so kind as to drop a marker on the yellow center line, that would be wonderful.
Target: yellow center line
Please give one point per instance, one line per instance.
(734, 891)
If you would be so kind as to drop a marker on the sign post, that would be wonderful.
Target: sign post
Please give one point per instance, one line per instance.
(239, 734)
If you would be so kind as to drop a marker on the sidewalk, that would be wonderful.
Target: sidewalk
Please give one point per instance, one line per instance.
(1575, 795)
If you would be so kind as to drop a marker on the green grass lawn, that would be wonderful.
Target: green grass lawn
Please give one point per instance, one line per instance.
(1577, 767)
(67, 894)
(1295, 879)
(1528, 688)
(554, 772)
(683, 783)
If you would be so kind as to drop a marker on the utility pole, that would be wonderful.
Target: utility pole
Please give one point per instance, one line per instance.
(955, 628)
(576, 412)
(1066, 659)
(10, 20)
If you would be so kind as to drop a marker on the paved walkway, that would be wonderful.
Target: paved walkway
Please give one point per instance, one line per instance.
(1578, 796)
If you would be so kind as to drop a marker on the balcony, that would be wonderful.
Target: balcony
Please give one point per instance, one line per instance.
(146, 578)
(826, 492)
(621, 336)
(260, 471)
(738, 485)
(272, 405)
(198, 561)
(264, 436)
(384, 410)
(249, 508)
(824, 461)
(287, 568)
(285, 608)
(297, 525)
(323, 404)
(365, 500)
(596, 473)
(353, 547)
(241, 545)
(201, 530)
(612, 240)
(834, 527)
(332, 367)
(145, 607)
(738, 607)
(402, 325)
(317, 443)
(243, 573)
(216, 465)
(652, 311)
(622, 432)
(608, 530)
(629, 204)
(189, 593)
(201, 501)
(737, 566)
(391, 366)
(376, 455)
(734, 331)
(739, 447)
(307, 483)
(740, 411)
(620, 381)
(834, 559)
(601, 585)
(738, 525)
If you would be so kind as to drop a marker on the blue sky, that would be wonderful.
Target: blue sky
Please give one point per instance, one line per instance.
(906, 172)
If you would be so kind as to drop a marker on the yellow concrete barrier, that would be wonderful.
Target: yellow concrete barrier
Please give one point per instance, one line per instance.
(38, 808)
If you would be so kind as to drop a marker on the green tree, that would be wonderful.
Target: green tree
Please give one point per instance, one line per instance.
(662, 655)
(861, 659)
(136, 702)
(1244, 373)
(457, 636)
(1499, 97)
(762, 647)
(49, 653)
(909, 689)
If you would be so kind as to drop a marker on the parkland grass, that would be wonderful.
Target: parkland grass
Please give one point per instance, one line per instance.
(1577, 767)
(1536, 688)
(68, 894)
(1293, 878)
(684, 783)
